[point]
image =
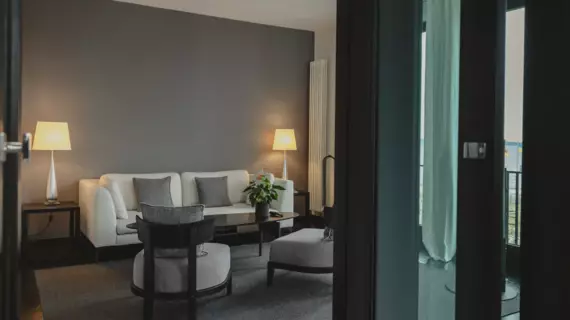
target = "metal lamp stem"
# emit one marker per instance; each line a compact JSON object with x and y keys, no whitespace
{"x":285,"y":164}
{"x":51,"y":188}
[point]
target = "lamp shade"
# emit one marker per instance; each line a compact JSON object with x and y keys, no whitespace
{"x":284,"y":140}
{"x":52,"y":136}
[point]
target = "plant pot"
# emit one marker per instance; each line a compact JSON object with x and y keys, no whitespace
{"x":262,"y":211}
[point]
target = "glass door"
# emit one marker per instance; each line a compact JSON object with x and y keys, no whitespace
{"x":439,"y":149}
{"x":385,"y":261}
{"x":514,"y":89}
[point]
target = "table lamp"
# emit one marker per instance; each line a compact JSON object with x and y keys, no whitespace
{"x":51,"y":136}
{"x":284,"y":141}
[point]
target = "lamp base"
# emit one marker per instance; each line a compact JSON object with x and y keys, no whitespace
{"x":51,"y":202}
{"x":51,"y":188}
{"x":284,"y":175}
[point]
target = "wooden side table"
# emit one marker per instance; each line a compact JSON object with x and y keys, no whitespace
{"x":40,"y":208}
{"x":307,"y":197}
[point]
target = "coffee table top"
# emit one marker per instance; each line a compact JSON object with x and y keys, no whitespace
{"x":240,"y":219}
{"x":246,"y":219}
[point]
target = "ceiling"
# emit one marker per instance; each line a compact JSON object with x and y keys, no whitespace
{"x":297,"y":14}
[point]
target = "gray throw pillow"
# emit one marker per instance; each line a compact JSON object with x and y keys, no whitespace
{"x":213,"y":192}
{"x":155,"y":192}
{"x":173,"y":216}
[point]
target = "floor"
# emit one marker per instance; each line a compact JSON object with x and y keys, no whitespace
{"x":436,"y":303}
{"x":102,"y":291}
{"x":105,"y":286}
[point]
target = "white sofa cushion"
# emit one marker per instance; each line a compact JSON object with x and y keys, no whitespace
{"x":127,"y":188}
{"x":113,"y":188}
{"x":234,"y":209}
{"x":122,"y":224}
{"x":237,"y":181}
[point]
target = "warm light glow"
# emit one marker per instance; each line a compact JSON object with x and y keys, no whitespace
{"x":284,"y":140}
{"x":52,"y":136}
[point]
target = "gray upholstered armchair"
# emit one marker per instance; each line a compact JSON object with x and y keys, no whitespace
{"x":171,"y":268}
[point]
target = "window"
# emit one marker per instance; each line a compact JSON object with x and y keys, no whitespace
{"x":514,"y":88}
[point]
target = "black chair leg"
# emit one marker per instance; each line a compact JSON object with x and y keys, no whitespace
{"x":192,"y":308}
{"x":229,"y":287}
{"x":270,"y":274}
{"x":148,"y":308}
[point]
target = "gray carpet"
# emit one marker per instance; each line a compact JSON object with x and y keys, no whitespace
{"x":102,"y":292}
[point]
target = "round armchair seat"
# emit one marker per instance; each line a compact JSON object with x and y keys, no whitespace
{"x":171,"y":273}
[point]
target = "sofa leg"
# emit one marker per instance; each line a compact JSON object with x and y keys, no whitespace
{"x":270,"y":274}
{"x":148,"y":308}
{"x":229,"y":287}
{"x":192,"y":308}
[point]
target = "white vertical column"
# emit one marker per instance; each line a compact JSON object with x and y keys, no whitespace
{"x":318,"y":105}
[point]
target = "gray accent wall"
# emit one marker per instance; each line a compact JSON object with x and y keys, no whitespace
{"x":153,"y":90}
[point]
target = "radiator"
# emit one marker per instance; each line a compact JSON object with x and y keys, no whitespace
{"x":318,"y":105}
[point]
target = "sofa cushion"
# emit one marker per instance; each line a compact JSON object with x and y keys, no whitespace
{"x":118,"y":202}
{"x":233,"y":209}
{"x":154,"y":192}
{"x":237,"y":181}
{"x":127,"y":188}
{"x":213,"y":192}
{"x":122,"y":223}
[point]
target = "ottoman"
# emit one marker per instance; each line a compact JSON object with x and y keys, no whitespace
{"x":302,"y":251}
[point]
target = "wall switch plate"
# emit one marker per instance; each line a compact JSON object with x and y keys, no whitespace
{"x":474,"y":150}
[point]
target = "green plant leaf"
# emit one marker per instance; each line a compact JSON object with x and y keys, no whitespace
{"x":262,"y":191}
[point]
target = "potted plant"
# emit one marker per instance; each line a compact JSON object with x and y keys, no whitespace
{"x":261,"y":193}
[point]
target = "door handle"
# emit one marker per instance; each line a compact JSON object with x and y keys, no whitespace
{"x":14,"y":147}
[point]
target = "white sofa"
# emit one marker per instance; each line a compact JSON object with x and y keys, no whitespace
{"x":99,"y":221}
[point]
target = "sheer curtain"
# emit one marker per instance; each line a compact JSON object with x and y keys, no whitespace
{"x":439,"y":221}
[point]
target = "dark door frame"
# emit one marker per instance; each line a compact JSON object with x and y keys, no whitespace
{"x":377,"y":143}
{"x":480,"y":182}
{"x":11,"y":99}
{"x":545,"y":279}
{"x":378,"y":43}
{"x":515,"y":4}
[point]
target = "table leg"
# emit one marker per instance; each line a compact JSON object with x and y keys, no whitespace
{"x":77,"y":223}
{"x":260,"y":240}
{"x":72,"y":223}
{"x":24,"y":235}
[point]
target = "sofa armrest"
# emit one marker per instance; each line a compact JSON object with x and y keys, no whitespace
{"x":98,"y":218}
{"x":285,"y":202}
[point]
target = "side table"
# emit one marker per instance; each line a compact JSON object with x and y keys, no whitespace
{"x":40,"y":208}
{"x":309,"y":219}
{"x":307,"y":198}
